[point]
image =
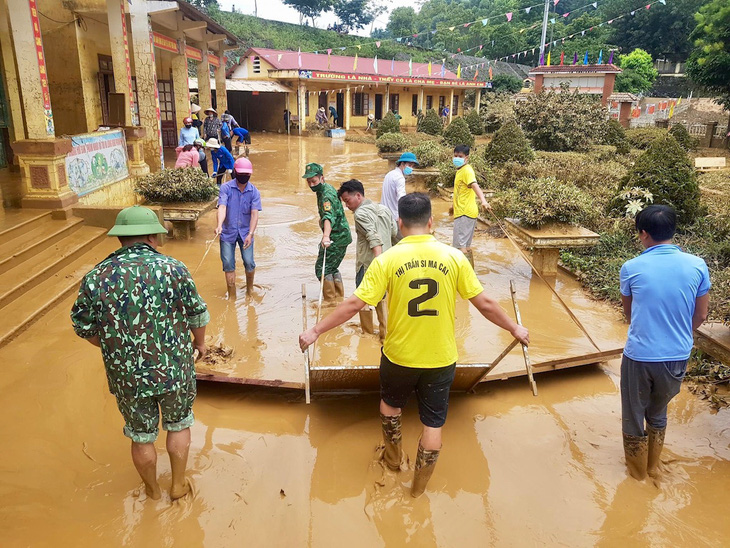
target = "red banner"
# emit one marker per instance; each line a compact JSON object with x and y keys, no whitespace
{"x":164,"y":42}
{"x":45,"y":91}
{"x":193,"y":53}
{"x":214,"y":60}
{"x":316,"y":75}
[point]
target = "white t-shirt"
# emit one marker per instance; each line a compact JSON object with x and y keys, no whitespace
{"x":394,"y":188}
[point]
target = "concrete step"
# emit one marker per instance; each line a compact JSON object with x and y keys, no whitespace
{"x":47,"y":261}
{"x":37,"y":238}
{"x":16,"y":222}
{"x":19,"y":314}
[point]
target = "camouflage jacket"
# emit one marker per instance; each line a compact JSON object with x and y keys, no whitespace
{"x":330,"y":209}
{"x":142,"y":305}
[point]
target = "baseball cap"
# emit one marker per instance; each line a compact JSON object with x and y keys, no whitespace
{"x":312,"y":170}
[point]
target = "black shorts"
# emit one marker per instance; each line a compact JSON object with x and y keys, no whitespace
{"x":431,"y":386}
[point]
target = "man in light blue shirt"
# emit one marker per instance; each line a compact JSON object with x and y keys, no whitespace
{"x":664,"y":293}
{"x":188,"y":133}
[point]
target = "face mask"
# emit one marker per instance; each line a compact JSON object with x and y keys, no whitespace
{"x":315,"y":188}
{"x":243,"y":178}
{"x":408,"y":170}
{"x":188,"y":126}
{"x":458,"y":162}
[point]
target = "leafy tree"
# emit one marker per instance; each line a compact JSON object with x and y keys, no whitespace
{"x":431,"y":123}
{"x":402,"y":22}
{"x":638,"y":72}
{"x":509,"y":144}
{"x":309,"y":8}
{"x":457,"y":133}
{"x":682,"y":136}
{"x":709,"y":63}
{"x":476,"y":124}
{"x":354,"y":14}
{"x":389,"y":124}
{"x":507,"y":83}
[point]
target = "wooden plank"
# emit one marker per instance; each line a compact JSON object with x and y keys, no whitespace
{"x":561,"y":363}
{"x":710,"y":163}
{"x":267,"y":383}
{"x":714,"y":339}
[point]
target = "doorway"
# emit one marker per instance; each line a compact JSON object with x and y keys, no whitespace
{"x":340,"y":108}
{"x":106,"y":86}
{"x":167,"y":113}
{"x":323,"y":100}
{"x":378,"y":106}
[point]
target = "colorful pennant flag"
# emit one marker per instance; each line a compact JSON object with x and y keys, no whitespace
{"x":375,"y":64}
{"x":410,"y":67}
{"x":392,"y":65}
{"x":509,"y":16}
{"x":476,"y":74}
{"x":354,"y":65}
{"x":429,"y":68}
{"x":600,"y":58}
{"x":595,"y":5}
{"x":552,"y":20}
{"x":377,"y":43}
{"x":585,"y":59}
{"x":278,"y":57}
{"x":299,"y":55}
{"x":562,"y":56}
{"x":484,"y":22}
{"x":542,"y":59}
{"x":555,"y":2}
{"x":566,"y":14}
{"x":490,"y":73}
{"x":548,"y":60}
{"x":610,"y":58}
{"x":443,"y":68}
{"x":458,"y":71}
{"x":527,"y":10}
{"x":575,"y":58}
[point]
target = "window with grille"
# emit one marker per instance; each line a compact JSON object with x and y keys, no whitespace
{"x":414,"y":104}
{"x":360,"y":104}
{"x":442,"y":102}
{"x":256,"y":62}
{"x":429,"y":102}
{"x":394,"y":100}
{"x":455,"y":106}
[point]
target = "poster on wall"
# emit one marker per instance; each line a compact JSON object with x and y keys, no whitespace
{"x":96,"y":160}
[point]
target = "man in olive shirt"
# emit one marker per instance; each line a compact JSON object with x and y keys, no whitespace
{"x":421,"y":277}
{"x":376,"y":231}
{"x":139,"y":306}
{"x":335,"y":232}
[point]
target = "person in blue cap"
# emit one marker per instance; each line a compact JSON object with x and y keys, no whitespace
{"x":394,"y":184}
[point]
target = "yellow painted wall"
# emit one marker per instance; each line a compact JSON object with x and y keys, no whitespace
{"x":93,"y":40}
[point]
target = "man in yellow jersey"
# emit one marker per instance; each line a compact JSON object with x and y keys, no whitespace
{"x":466,"y":189}
{"x":421,"y":277}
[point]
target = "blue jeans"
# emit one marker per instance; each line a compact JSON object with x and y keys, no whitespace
{"x":228,"y":255}
{"x":646,"y":390}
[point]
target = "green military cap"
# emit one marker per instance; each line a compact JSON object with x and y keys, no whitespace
{"x":136,"y":221}
{"x":312,"y":170}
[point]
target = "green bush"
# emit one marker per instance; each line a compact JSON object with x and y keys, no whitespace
{"x":391,"y":142}
{"x":355,"y":138}
{"x":509,"y":144}
{"x":430,"y":153}
{"x":537,"y":202}
{"x":506,"y":83}
{"x":666,"y":171}
{"x":447,"y":172}
{"x":685,"y":140}
{"x":562,"y":121}
{"x":497,"y":111}
{"x":176,"y":185}
{"x":614,"y":133}
{"x":642,"y":137}
{"x":431,"y":123}
{"x":389,"y":124}
{"x":457,"y":133}
{"x":419,"y":137}
{"x":474,"y":120}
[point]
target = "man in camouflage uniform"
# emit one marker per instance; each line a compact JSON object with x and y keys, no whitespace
{"x":139,"y":306}
{"x":335,"y":232}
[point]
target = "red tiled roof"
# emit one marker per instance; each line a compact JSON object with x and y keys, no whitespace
{"x":576,"y":69}
{"x":365,"y":65}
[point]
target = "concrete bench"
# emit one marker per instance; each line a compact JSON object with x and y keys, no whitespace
{"x":184,"y":216}
{"x":708,"y":164}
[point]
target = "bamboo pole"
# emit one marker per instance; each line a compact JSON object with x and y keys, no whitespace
{"x":528,"y":366}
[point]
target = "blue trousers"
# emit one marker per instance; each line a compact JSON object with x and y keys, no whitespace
{"x":228,"y":255}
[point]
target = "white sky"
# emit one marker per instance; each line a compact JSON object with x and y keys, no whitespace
{"x":278,"y":11}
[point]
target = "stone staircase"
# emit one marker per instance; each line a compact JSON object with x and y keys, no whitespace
{"x":42,"y":260}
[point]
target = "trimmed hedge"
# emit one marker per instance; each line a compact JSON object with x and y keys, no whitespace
{"x":457,"y":133}
{"x":509,"y":144}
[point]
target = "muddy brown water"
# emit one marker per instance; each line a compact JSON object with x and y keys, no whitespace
{"x":267,"y":470}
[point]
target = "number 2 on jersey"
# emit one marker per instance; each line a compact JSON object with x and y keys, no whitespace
{"x":414,"y":305}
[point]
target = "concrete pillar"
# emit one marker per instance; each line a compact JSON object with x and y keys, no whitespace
{"x":451,"y":105}
{"x":180,"y":86}
{"x":348,"y":108}
{"x":145,"y":71}
{"x":32,"y":74}
{"x":478,"y":100}
{"x":221,"y":95}
{"x":386,"y":106}
{"x":204,"y":98}
{"x":119,"y":40}
{"x":420,"y":99}
{"x":709,"y":134}
{"x":16,"y":129}
{"x":301,"y":109}
{"x":135,"y":151}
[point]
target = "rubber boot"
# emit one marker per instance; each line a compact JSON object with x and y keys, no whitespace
{"x":656,"y":444}
{"x":329,"y":288}
{"x":470,"y":257}
{"x":425,"y":463}
{"x":382,"y":313}
{"x":339,"y":286}
{"x":393,"y":453}
{"x":231,"y":285}
{"x":636,"y":450}
{"x":366,"y":320}
{"x":249,"y":282}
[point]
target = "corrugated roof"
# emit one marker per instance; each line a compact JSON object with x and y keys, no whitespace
{"x":576,"y":69}
{"x":289,"y":60}
{"x":263,"y":86}
{"x":623,"y":97}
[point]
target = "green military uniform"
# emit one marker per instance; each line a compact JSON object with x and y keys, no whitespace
{"x":142,"y":304}
{"x":330,"y":209}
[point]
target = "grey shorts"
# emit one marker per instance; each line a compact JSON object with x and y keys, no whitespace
{"x":464,"y":231}
{"x":646,"y":390}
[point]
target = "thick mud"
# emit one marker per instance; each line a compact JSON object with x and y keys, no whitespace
{"x":268,"y":470}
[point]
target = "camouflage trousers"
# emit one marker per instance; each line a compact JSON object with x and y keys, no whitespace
{"x":142,"y":415}
{"x":335,"y":254}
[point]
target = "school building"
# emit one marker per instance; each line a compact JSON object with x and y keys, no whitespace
{"x":92,"y":89}
{"x":353,"y":87}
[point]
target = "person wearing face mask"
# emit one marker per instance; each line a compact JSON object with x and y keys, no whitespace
{"x":239,"y":203}
{"x":188,"y":133}
{"x":394,"y":184}
{"x":211,"y":125}
{"x":466,"y":190}
{"x":335,"y":232}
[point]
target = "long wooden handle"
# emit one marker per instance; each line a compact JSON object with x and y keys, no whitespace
{"x":321,"y":293}
{"x":494,"y":364}
{"x":307,"y":395}
{"x":525,"y":354}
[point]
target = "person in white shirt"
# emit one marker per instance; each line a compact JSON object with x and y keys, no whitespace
{"x":394,"y":184}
